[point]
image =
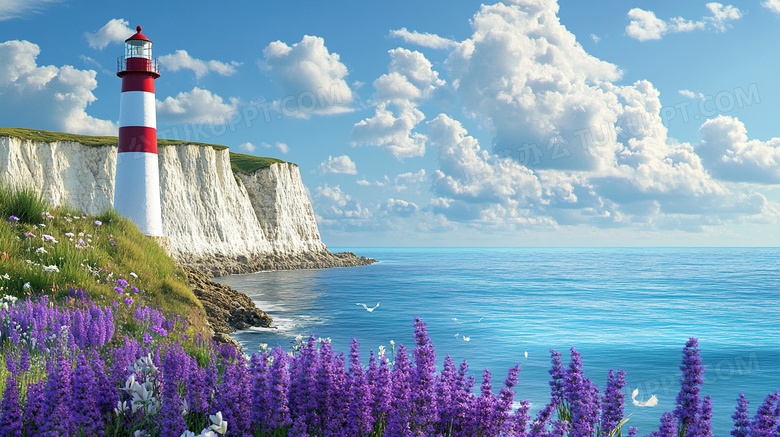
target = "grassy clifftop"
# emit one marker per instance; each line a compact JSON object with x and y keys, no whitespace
{"x":50,"y":251}
{"x":238,"y":161}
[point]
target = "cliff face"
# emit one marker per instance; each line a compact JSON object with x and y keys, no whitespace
{"x":283,"y":210}
{"x":205,"y":212}
{"x":64,"y":172}
{"x":264,"y":221}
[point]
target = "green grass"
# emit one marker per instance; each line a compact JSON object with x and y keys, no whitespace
{"x":80,"y":253}
{"x":22,"y":202}
{"x":45,"y":136}
{"x":250,"y":164}
{"x":239,"y":161}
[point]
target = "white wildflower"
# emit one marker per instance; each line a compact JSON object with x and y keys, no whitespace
{"x":219,"y":425}
{"x":51,"y":269}
{"x":41,"y":250}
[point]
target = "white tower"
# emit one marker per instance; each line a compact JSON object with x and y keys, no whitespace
{"x":137,"y":189}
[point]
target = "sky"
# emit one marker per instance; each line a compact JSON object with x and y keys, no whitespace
{"x":441,"y":123}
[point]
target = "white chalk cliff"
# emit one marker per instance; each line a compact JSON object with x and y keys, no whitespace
{"x":207,"y":212}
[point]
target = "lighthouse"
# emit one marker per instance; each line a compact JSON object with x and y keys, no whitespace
{"x":137,"y":188}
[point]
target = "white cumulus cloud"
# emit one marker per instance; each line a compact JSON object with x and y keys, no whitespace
{"x":645,"y":26}
{"x":772,"y":5}
{"x":311,"y":78}
{"x":181,"y":60}
{"x":409,"y":81}
{"x":569,"y":145}
{"x":392,"y":133}
{"x":400,"y":207}
{"x":728,"y":153}
{"x":197,"y":105}
{"x":247,"y":147}
{"x":46,"y":97}
{"x":429,"y":40}
{"x":114,"y":32}
{"x":338,"y":165}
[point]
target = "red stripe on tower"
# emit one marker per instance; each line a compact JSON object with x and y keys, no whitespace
{"x":137,"y":188}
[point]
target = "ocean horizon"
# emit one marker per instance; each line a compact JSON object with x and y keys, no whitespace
{"x":622,"y":308}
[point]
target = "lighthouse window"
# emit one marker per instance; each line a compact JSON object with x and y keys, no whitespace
{"x":138,"y":49}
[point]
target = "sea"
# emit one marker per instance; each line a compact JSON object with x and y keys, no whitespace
{"x":631,"y":309}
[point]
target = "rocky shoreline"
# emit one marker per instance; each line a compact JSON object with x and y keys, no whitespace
{"x":228,"y":310}
{"x":226,"y":265}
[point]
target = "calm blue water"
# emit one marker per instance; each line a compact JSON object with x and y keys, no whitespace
{"x":622,"y":308}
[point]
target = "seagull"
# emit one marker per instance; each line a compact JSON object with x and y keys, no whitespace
{"x":526,"y":354}
{"x":455,"y":319}
{"x":466,"y":338}
{"x":653,"y":401}
{"x":480,"y":319}
{"x":456,"y":334}
{"x":370,"y":310}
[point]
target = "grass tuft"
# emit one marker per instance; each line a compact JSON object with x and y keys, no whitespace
{"x":22,"y":202}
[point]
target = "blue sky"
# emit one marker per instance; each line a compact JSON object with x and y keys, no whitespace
{"x":528,"y":123}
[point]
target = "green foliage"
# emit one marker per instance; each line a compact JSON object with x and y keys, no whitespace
{"x":249,"y":163}
{"x":59,"y":249}
{"x":23,"y":202}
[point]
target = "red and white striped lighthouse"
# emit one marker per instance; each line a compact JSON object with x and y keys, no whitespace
{"x":137,"y":189}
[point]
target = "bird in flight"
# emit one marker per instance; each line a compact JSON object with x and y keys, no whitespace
{"x":466,"y":338}
{"x":526,"y":354}
{"x":653,"y":401}
{"x":370,"y":310}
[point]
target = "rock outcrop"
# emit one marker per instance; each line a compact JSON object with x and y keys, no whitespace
{"x":227,"y":310}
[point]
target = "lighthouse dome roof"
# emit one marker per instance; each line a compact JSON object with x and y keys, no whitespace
{"x":138,"y":35}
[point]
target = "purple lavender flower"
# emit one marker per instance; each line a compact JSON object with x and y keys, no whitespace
{"x":24,"y":360}
{"x":303,"y":378}
{"x":13,"y":218}
{"x":119,"y":290}
{"x":170,"y":409}
{"x":34,"y":409}
{"x":423,"y":408}
{"x":484,"y":407}
{"x":128,"y":301}
{"x":690,"y":385}
{"x":10,"y":411}
{"x":632,"y":430}
{"x":701,"y":427}
{"x":106,"y":394}
{"x":398,"y":424}
{"x":359,"y":419}
{"x":231,"y":398}
{"x":58,"y":399}
{"x":668,"y":427}
{"x":259,"y":371}
{"x":503,"y":407}
{"x":196,"y":389}
{"x":122,"y":283}
{"x":539,"y":425}
{"x":741,"y":418}
{"x":278,"y":385}
{"x":444,"y":394}
{"x":557,"y":373}
{"x":85,"y":412}
{"x":381,"y":383}
{"x":612,"y":402}
{"x":765,"y":422}
{"x":516,"y":424}
{"x":582,"y":397}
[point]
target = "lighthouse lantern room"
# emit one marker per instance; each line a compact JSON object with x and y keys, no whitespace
{"x":137,"y":188}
